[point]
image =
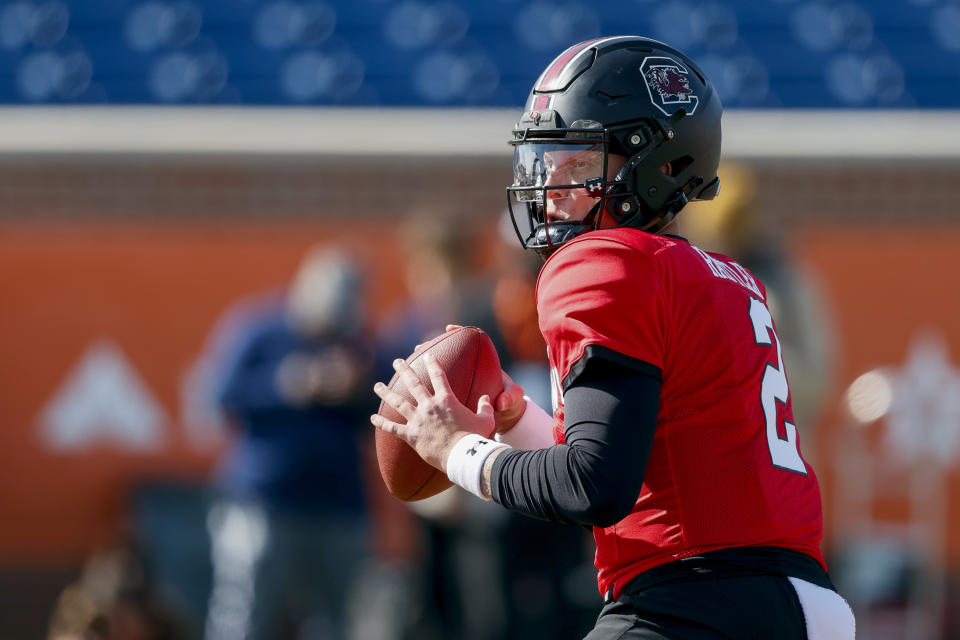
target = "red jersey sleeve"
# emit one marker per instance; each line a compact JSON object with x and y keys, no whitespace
{"x":590,"y":294}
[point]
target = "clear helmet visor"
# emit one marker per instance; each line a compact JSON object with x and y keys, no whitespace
{"x":557,"y":171}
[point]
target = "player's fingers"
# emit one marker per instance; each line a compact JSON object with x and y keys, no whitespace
{"x":441,"y":387}
{"x":486,"y":413}
{"x":388,"y":426}
{"x":403,"y":406}
{"x":485,"y":407}
{"x":510,"y":399}
{"x":414,"y":385}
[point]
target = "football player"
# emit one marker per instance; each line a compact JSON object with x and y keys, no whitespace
{"x":672,"y":433}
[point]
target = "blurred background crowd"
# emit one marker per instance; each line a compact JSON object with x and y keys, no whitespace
{"x":221,"y":220}
{"x":774,"y":53}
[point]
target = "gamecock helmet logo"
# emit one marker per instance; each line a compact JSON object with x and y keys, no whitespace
{"x":668,"y":85}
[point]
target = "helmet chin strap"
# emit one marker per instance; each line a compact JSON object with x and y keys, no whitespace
{"x":548,"y":237}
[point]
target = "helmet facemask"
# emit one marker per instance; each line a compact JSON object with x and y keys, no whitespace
{"x":564,"y":180}
{"x":558,"y":179}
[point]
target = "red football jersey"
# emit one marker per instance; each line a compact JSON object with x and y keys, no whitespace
{"x":725,"y":469}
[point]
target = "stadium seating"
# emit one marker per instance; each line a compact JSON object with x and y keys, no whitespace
{"x":760,"y":54}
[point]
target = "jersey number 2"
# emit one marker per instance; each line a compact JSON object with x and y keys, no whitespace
{"x":784,"y":452}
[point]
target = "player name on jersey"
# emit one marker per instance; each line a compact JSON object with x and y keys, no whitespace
{"x":730,"y":271}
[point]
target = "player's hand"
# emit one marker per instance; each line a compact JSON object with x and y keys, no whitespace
{"x":435,"y":422}
{"x":509,"y":405}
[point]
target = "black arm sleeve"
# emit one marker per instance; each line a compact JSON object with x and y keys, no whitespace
{"x":610,"y":414}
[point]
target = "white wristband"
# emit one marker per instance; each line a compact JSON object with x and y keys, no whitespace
{"x":534,"y":430}
{"x":465,"y":462}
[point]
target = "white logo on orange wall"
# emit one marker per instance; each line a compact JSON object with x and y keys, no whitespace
{"x":919,"y":403}
{"x":103,"y":401}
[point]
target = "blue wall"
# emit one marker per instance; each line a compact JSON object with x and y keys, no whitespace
{"x":760,"y":53}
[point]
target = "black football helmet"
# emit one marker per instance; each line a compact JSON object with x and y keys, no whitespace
{"x":625,"y":127}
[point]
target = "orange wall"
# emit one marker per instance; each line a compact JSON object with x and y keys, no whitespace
{"x":887,"y":287}
{"x":156,"y":289}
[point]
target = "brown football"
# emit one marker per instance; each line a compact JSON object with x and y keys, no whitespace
{"x":470,"y":361}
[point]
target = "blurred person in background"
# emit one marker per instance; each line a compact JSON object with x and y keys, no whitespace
{"x":454,"y":578}
{"x":444,"y":284}
{"x":547,"y":569}
{"x":733,"y":225}
{"x":289,"y":527}
{"x":672,"y":434}
{"x":115,"y":598}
